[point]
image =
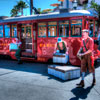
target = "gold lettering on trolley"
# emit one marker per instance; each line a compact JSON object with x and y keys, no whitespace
{"x":44,"y":45}
{"x":41,"y":45}
{"x":4,"y":44}
{"x":47,"y":45}
{"x":41,"y":59}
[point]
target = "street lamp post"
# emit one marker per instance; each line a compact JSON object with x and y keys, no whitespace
{"x":74,"y":4}
{"x":67,"y":5}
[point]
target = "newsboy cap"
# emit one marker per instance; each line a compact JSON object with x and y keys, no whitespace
{"x":85,"y":30}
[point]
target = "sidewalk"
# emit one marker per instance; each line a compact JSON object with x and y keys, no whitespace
{"x":30,"y":81}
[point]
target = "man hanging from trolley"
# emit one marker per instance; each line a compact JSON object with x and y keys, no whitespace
{"x":85,"y":53}
{"x":18,"y":43}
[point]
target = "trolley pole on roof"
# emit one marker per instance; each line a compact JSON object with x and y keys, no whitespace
{"x":31,"y":7}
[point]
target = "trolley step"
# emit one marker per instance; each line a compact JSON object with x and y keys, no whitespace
{"x":27,"y":59}
{"x":28,"y":55}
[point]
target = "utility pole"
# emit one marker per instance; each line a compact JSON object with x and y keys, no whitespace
{"x":67,"y":5}
{"x":31,"y":7}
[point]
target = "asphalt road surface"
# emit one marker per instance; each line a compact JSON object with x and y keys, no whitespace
{"x":30,"y":81}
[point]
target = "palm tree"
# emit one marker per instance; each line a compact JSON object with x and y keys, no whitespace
{"x":14,"y":11}
{"x":21,"y":5}
{"x":39,"y":11}
{"x":18,"y":8}
{"x":95,"y":6}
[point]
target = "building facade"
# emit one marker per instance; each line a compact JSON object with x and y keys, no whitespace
{"x":69,"y":4}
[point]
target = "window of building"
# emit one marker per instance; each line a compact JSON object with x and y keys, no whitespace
{"x":14,"y":30}
{"x":91,"y":24}
{"x":76,"y":27}
{"x":7,"y":30}
{"x":1,"y":31}
{"x":63,"y":28}
{"x":52,"y":29}
{"x":42,"y":29}
{"x":81,"y":2}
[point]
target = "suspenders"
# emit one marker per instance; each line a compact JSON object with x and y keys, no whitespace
{"x":85,"y":44}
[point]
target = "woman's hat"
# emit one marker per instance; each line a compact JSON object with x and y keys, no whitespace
{"x":59,"y":39}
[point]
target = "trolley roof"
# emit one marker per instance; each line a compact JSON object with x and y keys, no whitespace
{"x":50,"y":16}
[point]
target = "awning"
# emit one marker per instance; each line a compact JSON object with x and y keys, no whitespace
{"x":55,"y":4}
{"x":61,"y":0}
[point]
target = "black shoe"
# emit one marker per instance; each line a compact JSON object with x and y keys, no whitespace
{"x":94,"y":82}
{"x":20,"y":62}
{"x":81,"y":84}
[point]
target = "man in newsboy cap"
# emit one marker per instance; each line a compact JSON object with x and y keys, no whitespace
{"x":86,"y":54}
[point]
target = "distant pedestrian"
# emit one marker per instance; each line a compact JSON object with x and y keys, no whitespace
{"x":86,"y":55}
{"x":98,"y":37}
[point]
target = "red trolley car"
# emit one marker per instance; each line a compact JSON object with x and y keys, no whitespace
{"x":39,"y":33}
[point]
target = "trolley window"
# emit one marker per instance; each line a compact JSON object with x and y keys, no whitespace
{"x":14,"y":30}
{"x":76,"y":28}
{"x":1,"y":31}
{"x":26,"y":30}
{"x":23,"y":31}
{"x":7,"y":30}
{"x":42,"y":29}
{"x":91,"y":24}
{"x":63,"y":28}
{"x":52,"y":29}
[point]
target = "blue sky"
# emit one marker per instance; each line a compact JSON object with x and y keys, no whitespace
{"x":7,"y":5}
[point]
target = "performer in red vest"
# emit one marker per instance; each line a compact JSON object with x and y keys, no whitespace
{"x":85,"y":53}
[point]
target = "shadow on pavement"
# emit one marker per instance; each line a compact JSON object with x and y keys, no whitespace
{"x":30,"y":67}
{"x":80,"y":93}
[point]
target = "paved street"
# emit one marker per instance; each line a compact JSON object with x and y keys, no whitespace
{"x":30,"y":81}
